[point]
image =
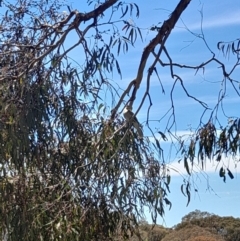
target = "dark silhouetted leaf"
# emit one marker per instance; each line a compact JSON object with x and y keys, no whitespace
{"x":118,"y":68}
{"x":168,"y":203}
{"x":219,"y":45}
{"x":158,"y":144}
{"x":221,"y":172}
{"x":137,"y":14}
{"x":186,"y":165}
{"x":167,"y":186}
{"x":163,"y":136}
{"x":224,"y":178}
{"x":124,"y":12}
{"x":188,"y":193}
{"x":230,"y":174}
{"x":182,"y":190}
{"x":168,"y":179}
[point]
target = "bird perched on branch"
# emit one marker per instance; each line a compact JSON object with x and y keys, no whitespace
{"x":130,"y":118}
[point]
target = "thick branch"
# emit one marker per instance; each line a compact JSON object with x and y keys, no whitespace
{"x":160,"y":38}
{"x":80,"y":17}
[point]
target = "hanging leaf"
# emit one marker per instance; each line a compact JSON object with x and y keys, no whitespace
{"x":186,"y":166}
{"x":168,"y":179}
{"x":140,"y":33}
{"x":224,"y":178}
{"x":137,"y":14}
{"x":167,"y":186}
{"x":124,"y":27}
{"x":219,"y":45}
{"x":219,"y":157}
{"x":100,"y":107}
{"x":130,"y":36}
{"x":182,"y":190}
{"x":221,"y":172}
{"x":230,"y":174}
{"x":124,"y":12}
{"x":118,"y":68}
{"x":158,"y":144}
{"x":119,"y":47}
{"x":188,"y":193}
{"x":131,"y":9}
{"x":233,"y":48}
{"x":168,"y":203}
{"x":163,"y":136}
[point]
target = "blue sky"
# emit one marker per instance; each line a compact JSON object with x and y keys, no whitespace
{"x":220,"y":22}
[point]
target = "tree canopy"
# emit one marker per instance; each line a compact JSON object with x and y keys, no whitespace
{"x":73,"y":167}
{"x":195,"y":226}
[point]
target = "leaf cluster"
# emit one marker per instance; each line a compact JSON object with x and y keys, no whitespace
{"x":68,"y":172}
{"x":211,"y":143}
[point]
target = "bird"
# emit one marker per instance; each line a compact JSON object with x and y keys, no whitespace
{"x":130,"y":118}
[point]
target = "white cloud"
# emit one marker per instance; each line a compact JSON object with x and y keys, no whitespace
{"x":210,"y":166}
{"x":215,"y":21}
{"x":177,"y":168}
{"x":224,"y":20}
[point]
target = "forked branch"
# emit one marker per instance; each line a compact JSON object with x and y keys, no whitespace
{"x":160,"y":39}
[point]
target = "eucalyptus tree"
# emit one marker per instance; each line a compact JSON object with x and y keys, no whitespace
{"x":72,"y":167}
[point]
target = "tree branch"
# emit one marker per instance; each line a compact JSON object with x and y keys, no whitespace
{"x":80,"y":17}
{"x":160,"y":38}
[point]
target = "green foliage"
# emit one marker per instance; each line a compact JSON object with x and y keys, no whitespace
{"x":195,"y":226}
{"x":210,"y":144}
{"x":197,"y":214}
{"x":232,"y":46}
{"x":68,"y":171}
{"x":72,"y":168}
{"x":225,"y":227}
